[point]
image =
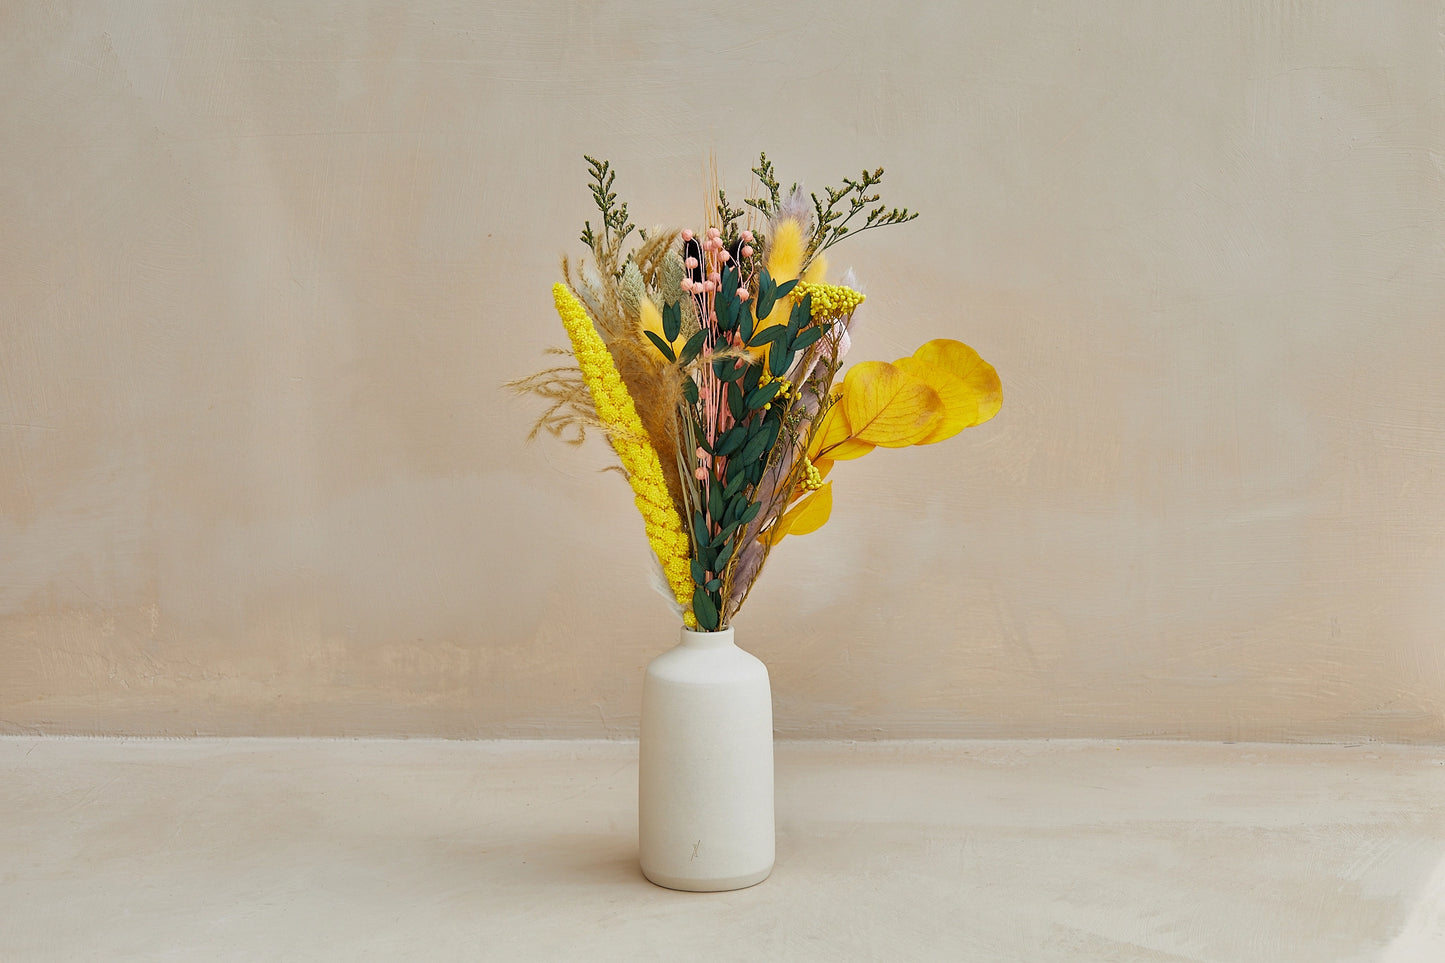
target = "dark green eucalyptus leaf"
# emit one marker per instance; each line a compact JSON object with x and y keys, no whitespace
{"x":727,"y":318}
{"x":750,"y":513}
{"x":713,"y":585}
{"x":704,"y":609}
{"x":773,"y":426}
{"x":767,"y":295}
{"x":733,"y":369}
{"x":786,"y":288}
{"x":736,"y":406}
{"x":735,"y":484}
{"x":755,"y":447}
{"x":729,"y":512}
{"x":662,"y":345}
{"x":768,"y":334}
{"x":689,"y":390}
{"x":765,"y":304}
{"x":806,"y":337}
{"x":734,"y":506}
{"x":764,"y":395}
{"x":672,"y":320}
{"x":745,"y":321}
{"x":699,"y":573}
{"x":802,"y":315}
{"x":779,"y":361}
{"x":725,"y":304}
{"x":714,"y":501}
{"x":754,"y":375}
{"x":731,"y":440}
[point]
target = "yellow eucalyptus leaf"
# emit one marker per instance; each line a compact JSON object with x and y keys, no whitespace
{"x":832,"y":430}
{"x":887,"y":406}
{"x":852,"y":448}
{"x":808,"y":515}
{"x":824,"y":465}
{"x":960,"y":401}
{"x":961,"y":361}
{"x":834,"y":439}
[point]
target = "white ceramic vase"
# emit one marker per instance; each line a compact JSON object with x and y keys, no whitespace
{"x":705,"y":786}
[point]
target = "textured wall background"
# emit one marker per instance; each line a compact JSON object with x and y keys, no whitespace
{"x":263,"y":267}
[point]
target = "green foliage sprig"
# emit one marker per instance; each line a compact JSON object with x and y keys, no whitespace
{"x":615,"y":226}
{"x":829,"y":229}
{"x":728,"y":218}
{"x":767,"y":206}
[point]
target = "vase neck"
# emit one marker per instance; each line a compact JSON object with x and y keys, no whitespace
{"x":707,"y":640}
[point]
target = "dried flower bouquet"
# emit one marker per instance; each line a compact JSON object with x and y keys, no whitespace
{"x":710,"y":360}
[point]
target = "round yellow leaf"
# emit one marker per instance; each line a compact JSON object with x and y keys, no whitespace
{"x":808,"y":515}
{"x":964,"y":363}
{"x":960,"y":401}
{"x":887,"y":406}
{"x":848,"y":449}
{"x":834,"y":439}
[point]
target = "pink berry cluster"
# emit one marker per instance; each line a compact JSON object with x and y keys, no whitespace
{"x":714,"y":255}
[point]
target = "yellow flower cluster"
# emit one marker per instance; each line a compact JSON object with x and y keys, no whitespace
{"x":783,"y":392}
{"x":829,"y":300}
{"x":812,"y":478}
{"x":639,"y":459}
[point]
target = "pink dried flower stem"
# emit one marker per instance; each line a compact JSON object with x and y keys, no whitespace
{"x":710,"y":262}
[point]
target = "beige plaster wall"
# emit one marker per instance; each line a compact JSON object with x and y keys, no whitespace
{"x":264,"y":265}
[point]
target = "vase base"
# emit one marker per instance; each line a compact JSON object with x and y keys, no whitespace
{"x":722,"y":885}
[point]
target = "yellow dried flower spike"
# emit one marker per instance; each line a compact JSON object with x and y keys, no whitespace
{"x":639,"y":459}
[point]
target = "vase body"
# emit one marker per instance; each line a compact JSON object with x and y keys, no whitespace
{"x":705,"y":778}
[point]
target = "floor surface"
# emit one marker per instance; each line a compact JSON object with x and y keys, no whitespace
{"x":514,"y":851}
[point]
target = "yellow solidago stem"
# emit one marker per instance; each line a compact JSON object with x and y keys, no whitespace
{"x":639,"y":459}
